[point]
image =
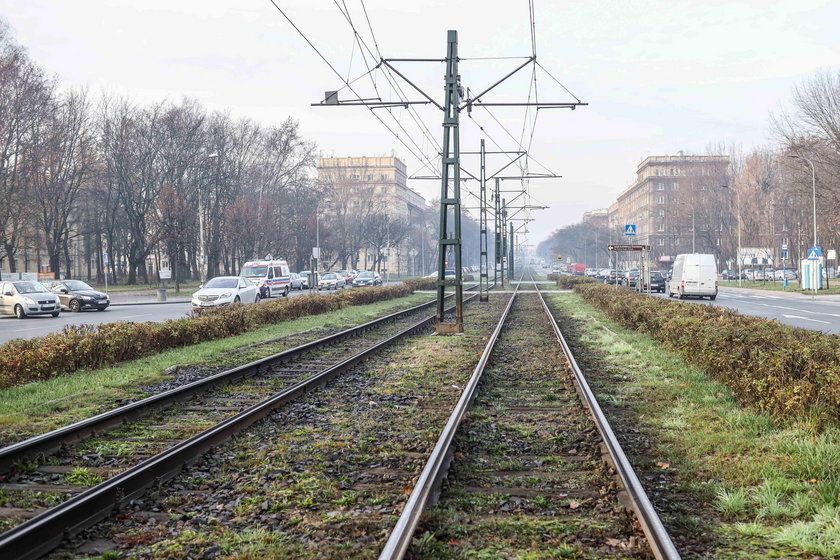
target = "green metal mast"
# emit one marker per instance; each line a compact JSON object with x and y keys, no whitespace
{"x":482,"y":263}
{"x":450,"y":200}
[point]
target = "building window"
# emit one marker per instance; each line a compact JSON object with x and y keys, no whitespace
{"x":673,"y":172}
{"x":382,"y":177}
{"x":660,"y":200}
{"x":674,"y":186}
{"x":660,"y":213}
{"x":370,"y":177}
{"x":660,"y":241}
{"x":660,"y":186}
{"x":660,"y":227}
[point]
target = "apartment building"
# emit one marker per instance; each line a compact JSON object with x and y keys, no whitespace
{"x":378,"y":182}
{"x":669,"y":203}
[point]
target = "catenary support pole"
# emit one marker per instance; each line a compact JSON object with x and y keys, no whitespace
{"x":450,"y":193}
{"x":482,"y":264}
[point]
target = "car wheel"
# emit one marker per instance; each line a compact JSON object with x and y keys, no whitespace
{"x":236,"y":299}
{"x":19,"y":312}
{"x":257,"y":298}
{"x":74,"y":305}
{"x":55,"y":313}
{"x":712,"y":298}
{"x":101,"y":308}
{"x":680,"y":294}
{"x":286,"y":291}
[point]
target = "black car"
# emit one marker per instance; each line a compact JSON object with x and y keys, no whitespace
{"x":732,"y":275}
{"x":657,"y":282}
{"x":367,"y":278}
{"x":75,"y":295}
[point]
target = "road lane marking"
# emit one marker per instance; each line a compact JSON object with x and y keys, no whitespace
{"x":805,"y":319}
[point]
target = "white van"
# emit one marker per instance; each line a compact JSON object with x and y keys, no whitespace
{"x":270,"y":275}
{"x":694,"y":274}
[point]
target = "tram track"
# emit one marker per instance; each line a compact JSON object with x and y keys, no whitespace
{"x":148,"y":441}
{"x":500,"y":482}
{"x":326,"y":475}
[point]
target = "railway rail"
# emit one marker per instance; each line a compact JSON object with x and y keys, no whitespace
{"x":243,"y":395}
{"x":371,"y":438}
{"x":427,"y":490}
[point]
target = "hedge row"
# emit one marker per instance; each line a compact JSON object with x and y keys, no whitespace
{"x":787,"y":371}
{"x":569,"y":282}
{"x":431,"y":283}
{"x":95,"y":346}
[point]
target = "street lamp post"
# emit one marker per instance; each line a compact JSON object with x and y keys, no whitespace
{"x":738,"y":258}
{"x":693,"y":233}
{"x":814,"y":189}
{"x":202,"y":241}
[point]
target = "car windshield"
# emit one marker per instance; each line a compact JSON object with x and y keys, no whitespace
{"x":29,"y":287}
{"x":222,"y":283}
{"x":254,"y":271}
{"x":655,"y":275}
{"x":329,"y":276}
{"x":363,"y":275}
{"x":76,"y":285}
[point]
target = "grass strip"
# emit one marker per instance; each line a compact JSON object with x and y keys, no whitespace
{"x":729,"y":481}
{"x":790,"y":372}
{"x":40,"y":406}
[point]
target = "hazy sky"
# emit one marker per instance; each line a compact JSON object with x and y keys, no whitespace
{"x":658,"y":76}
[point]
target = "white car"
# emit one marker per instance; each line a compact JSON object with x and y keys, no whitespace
{"x":330,"y":281}
{"x":224,"y":290}
{"x":23,"y":298}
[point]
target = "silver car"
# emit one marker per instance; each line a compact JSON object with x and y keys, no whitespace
{"x":224,"y":290}
{"x":23,"y":298}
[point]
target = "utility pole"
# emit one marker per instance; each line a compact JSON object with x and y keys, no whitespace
{"x":450,"y":173}
{"x":497,"y":254}
{"x":482,"y":262}
{"x":512,"y":248}
{"x":503,"y":236}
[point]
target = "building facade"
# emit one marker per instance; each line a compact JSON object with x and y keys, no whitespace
{"x":672,"y":204}
{"x":364,"y":185}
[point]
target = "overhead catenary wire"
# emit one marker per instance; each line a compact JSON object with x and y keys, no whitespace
{"x":427,"y":164}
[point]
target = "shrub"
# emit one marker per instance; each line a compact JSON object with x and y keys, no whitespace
{"x":95,"y":346}
{"x":787,"y":371}
{"x":569,"y":282}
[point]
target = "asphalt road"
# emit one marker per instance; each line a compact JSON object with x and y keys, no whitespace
{"x":789,"y":309}
{"x":12,"y":327}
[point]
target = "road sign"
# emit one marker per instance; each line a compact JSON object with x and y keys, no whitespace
{"x":628,"y":247}
{"x":832,"y":254}
{"x":165,"y":274}
{"x":630,"y":229}
{"x":105,"y":258}
{"x":568,"y":260}
{"x":814,"y":253}
{"x":559,"y":257}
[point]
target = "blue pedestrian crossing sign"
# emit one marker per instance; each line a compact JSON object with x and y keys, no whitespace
{"x":814,"y":253}
{"x":630,"y":229}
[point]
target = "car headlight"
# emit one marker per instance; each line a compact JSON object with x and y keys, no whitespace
{"x":29,"y":300}
{"x":225,"y":295}
{"x":87,"y":298}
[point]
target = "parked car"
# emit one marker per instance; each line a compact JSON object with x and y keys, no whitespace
{"x":23,"y":298}
{"x":348,"y":275}
{"x":330,"y":281}
{"x":631,"y":278}
{"x":367,"y":278}
{"x":732,"y":275}
{"x":308,"y":281}
{"x":224,"y":290}
{"x":657,"y":282}
{"x":76,"y":295}
{"x":296,"y":281}
{"x":782,"y":273}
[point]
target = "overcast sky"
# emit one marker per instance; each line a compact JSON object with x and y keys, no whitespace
{"x":658,"y":76}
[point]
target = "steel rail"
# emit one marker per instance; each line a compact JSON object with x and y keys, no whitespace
{"x":660,"y":542}
{"x":427,"y":488}
{"x":52,"y":441}
{"x":44,"y":532}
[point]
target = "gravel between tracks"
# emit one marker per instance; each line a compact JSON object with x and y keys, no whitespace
{"x":322,"y":478}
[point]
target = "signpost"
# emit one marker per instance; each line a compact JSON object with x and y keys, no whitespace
{"x":630,"y":229}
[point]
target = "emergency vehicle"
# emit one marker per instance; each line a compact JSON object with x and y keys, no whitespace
{"x":270,"y":275}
